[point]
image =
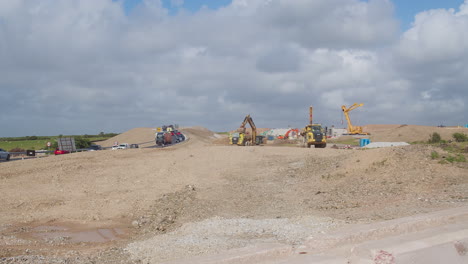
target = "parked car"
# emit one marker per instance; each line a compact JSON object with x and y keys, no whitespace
{"x":94,"y":147}
{"x":115,"y":147}
{"x":123,"y":146}
{"x":180,"y":136}
{"x":159,"y":138}
{"x":60,"y":152}
{"x":4,"y":154}
{"x":134,"y":146}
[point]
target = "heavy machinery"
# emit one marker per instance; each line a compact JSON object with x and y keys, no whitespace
{"x":294,"y":132}
{"x":314,"y":134}
{"x":241,"y":138}
{"x":352,"y":130}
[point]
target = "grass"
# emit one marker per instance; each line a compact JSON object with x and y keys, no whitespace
{"x":456,"y":152}
{"x":24,"y":144}
{"x":37,"y":144}
{"x":349,"y":141}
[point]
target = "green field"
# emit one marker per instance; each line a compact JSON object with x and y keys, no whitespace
{"x":41,"y":143}
{"x":24,"y":144}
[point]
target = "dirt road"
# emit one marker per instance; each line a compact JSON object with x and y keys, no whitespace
{"x":198,"y":198}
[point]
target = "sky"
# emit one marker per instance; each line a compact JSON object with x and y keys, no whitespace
{"x":85,"y":67}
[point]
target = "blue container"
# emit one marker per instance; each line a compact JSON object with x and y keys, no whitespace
{"x":363,"y":142}
{"x":270,"y":137}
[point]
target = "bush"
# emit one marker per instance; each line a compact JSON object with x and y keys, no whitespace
{"x":460,"y":137}
{"x":81,"y":142}
{"x":434,"y":155}
{"x":434,"y":138}
{"x":17,"y":150}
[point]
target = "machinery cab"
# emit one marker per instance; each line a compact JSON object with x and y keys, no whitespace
{"x":237,"y":138}
{"x":314,"y":134}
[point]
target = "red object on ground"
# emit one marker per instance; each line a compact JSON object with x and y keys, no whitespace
{"x":59,"y":152}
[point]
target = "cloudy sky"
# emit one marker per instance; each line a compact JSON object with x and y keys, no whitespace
{"x":86,"y":66}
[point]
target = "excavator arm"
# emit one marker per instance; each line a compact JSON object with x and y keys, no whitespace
{"x":248,"y":120}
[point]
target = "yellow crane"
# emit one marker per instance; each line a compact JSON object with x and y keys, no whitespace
{"x":353,"y":130}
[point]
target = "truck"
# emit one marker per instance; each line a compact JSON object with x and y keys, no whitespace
{"x":165,"y":138}
{"x":314,"y":134}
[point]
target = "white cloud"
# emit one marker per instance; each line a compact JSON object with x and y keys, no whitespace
{"x":66,"y":64}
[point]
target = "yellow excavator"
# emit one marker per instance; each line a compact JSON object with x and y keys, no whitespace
{"x":240,"y":137}
{"x":314,"y":134}
{"x":352,"y":130}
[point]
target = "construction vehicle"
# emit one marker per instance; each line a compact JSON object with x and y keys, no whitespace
{"x":294,"y":133}
{"x":314,"y":134}
{"x":241,"y":138}
{"x":352,"y":130}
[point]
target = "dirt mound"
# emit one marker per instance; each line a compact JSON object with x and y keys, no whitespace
{"x":200,"y":133}
{"x":409,"y":133}
{"x":143,"y":136}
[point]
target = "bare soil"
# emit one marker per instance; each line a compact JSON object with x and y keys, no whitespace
{"x":153,"y":205}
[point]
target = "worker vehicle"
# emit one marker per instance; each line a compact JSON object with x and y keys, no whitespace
{"x":4,"y":155}
{"x":159,"y":138}
{"x":236,"y":138}
{"x":94,"y":147}
{"x":123,"y":146}
{"x":314,"y":134}
{"x":241,"y":138}
{"x":179,"y":135}
{"x":291,"y":133}
{"x":169,"y":138}
{"x":61,"y":151}
{"x":352,"y":130}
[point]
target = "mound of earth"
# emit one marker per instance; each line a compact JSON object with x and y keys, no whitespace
{"x":409,"y":133}
{"x":143,"y":136}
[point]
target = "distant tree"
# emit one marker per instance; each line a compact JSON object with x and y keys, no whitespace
{"x":101,"y":134}
{"x":82,"y":142}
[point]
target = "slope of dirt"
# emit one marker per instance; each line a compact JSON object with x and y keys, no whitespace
{"x":143,"y":136}
{"x":149,"y":205}
{"x":409,"y":133}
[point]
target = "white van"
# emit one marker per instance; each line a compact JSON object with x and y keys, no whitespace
{"x":123,"y":146}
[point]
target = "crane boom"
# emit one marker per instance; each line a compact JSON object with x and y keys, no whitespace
{"x":352,"y":129}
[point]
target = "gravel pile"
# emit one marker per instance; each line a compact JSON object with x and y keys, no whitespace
{"x":214,"y":235}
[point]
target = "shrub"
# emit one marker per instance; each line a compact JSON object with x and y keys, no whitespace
{"x":460,"y":137}
{"x":434,"y":155}
{"x":82,"y":142}
{"x":434,"y":138}
{"x":17,"y":150}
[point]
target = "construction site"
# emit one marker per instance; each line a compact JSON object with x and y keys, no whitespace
{"x":357,"y":194}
